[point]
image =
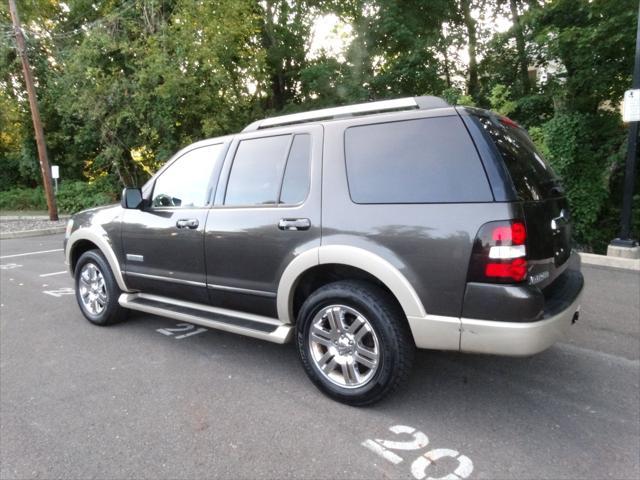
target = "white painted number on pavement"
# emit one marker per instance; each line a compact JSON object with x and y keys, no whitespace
{"x":59,"y":292}
{"x":9,"y":266}
{"x":185,"y":329}
{"x":383,"y":452}
{"x":420,"y":440}
{"x":420,"y":466}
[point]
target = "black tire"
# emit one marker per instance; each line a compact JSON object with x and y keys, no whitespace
{"x":395,"y":344}
{"x":109,"y":312}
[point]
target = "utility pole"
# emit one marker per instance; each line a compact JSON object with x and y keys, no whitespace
{"x":35,"y":113}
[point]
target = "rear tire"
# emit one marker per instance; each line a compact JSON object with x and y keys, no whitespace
{"x":97,"y":291}
{"x":353,"y":342}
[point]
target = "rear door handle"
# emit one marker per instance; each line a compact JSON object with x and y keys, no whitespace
{"x":187,"y":223}
{"x":562,"y":219}
{"x":294,"y":224}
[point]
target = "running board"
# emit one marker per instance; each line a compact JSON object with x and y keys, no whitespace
{"x":248,"y":324}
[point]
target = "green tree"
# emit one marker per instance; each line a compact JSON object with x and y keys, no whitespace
{"x":151,"y":77}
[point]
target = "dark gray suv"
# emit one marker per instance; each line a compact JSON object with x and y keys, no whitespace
{"x":361,"y":232}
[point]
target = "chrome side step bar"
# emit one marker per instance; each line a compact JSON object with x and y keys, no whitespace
{"x":248,"y":324}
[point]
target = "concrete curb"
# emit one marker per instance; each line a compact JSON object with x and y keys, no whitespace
{"x":614,"y":262}
{"x":32,"y":233}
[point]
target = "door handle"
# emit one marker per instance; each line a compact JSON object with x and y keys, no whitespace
{"x":562,"y":219}
{"x":187,"y":223}
{"x":294,"y":224}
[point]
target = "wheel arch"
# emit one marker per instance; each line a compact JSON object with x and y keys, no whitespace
{"x":84,"y":239}
{"x":76,"y":251}
{"x":365,"y":264}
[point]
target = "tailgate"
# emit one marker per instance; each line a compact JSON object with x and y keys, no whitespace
{"x":538,"y":188}
{"x":548,"y":239}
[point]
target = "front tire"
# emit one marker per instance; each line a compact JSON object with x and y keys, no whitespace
{"x":97,"y":291}
{"x":353,"y":342}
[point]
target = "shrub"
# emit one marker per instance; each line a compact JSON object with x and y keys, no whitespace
{"x":585,"y":149}
{"x":23,"y":199}
{"x":76,"y":196}
{"x":72,"y":197}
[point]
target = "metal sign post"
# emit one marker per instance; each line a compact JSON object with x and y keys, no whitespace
{"x":632,"y":101}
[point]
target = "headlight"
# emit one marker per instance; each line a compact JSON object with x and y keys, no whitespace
{"x":69,"y":228}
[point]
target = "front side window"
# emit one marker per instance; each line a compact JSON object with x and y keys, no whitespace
{"x":186,"y":183}
{"x":428,"y":160}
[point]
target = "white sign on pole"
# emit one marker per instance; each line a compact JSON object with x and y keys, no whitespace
{"x":55,"y":171}
{"x":631,"y":106}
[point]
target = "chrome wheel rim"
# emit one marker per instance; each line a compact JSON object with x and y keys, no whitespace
{"x":93,"y":289}
{"x":344,"y":347}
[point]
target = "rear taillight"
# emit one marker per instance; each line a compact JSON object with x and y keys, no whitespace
{"x":499,"y":253}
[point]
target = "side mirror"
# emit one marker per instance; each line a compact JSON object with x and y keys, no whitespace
{"x":131,"y":198}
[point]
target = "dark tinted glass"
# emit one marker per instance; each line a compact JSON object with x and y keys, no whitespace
{"x":257,"y":171}
{"x":414,"y":161}
{"x":295,"y":185}
{"x":187,"y":182}
{"x":532,"y":177}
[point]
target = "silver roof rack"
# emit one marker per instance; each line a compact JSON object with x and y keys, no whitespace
{"x":409,"y":103}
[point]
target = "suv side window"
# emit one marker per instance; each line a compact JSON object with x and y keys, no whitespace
{"x":187,"y":182}
{"x":428,"y":160}
{"x":257,"y":171}
{"x":269,"y":171}
{"x":297,"y":175}
{"x":532,"y":176}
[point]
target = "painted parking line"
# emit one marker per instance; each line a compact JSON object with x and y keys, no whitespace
{"x":181,"y":328}
{"x":9,"y":266}
{"x":52,"y":274}
{"x":31,"y":253}
{"x":59,"y":292}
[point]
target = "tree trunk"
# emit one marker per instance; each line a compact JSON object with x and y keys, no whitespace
{"x":523,"y":64}
{"x":276,"y":75}
{"x":444,"y":50}
{"x":447,"y":73}
{"x":473,"y":85}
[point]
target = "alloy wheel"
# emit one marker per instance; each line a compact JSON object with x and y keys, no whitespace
{"x":344,"y":346}
{"x":93,"y":289}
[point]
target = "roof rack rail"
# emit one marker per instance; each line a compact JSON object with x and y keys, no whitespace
{"x":408,"y":103}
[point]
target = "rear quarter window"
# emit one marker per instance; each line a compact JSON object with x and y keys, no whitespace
{"x":532,"y":177}
{"x":430,"y":160}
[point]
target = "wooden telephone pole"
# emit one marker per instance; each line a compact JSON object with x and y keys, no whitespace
{"x":45,"y":169}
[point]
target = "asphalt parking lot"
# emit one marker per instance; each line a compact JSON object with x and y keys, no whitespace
{"x":152,"y":399}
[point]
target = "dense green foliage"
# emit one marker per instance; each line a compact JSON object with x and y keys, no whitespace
{"x":72,"y":197}
{"x":123,"y":84}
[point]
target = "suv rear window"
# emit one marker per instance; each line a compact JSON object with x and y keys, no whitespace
{"x":533,"y":178}
{"x":428,"y":160}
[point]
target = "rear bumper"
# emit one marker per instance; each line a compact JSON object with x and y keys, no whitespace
{"x":528,"y":338}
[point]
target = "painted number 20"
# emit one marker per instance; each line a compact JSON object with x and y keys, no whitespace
{"x":420,"y":465}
